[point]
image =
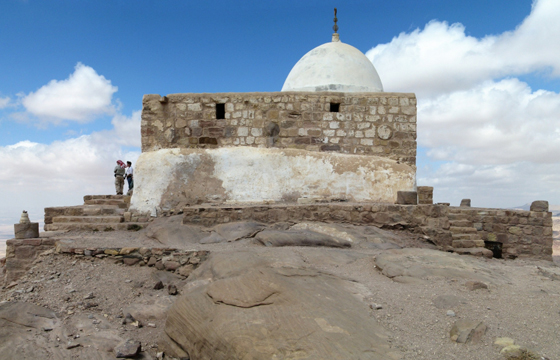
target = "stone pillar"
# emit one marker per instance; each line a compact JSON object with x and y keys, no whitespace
{"x":466,"y":203}
{"x":26,"y":229}
{"x":540,"y":206}
{"x":425,"y":195}
{"x":407,"y":198}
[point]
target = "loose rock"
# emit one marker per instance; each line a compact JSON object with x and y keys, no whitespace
{"x":128,"y":348}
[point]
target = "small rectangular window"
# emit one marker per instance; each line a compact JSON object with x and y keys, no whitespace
{"x":220,"y":111}
{"x":335,"y":107}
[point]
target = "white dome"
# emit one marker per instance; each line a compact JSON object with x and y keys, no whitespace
{"x":334,"y":66}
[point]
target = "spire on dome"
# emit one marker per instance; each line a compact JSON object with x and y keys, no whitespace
{"x":335,"y":36}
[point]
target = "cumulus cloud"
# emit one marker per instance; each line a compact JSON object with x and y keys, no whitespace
{"x":81,"y":97}
{"x":493,"y":123}
{"x":35,"y":175}
{"x":442,"y":58}
{"x":493,"y":185}
{"x":496,"y":137}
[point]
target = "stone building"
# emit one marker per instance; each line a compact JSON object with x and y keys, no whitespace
{"x":331,"y":134}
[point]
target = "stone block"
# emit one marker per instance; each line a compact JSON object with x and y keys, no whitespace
{"x":407,"y":198}
{"x":425,"y":195}
{"x":540,"y":206}
{"x":466,"y":203}
{"x":26,"y":231}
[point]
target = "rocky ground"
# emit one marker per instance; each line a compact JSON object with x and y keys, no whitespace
{"x":403,"y":297}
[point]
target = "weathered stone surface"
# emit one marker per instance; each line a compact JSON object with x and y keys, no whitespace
{"x":466,"y":203}
{"x":26,"y":230}
{"x":407,"y":198}
{"x":539,"y":205}
{"x":171,"y":232}
{"x":257,"y":122}
{"x":475,"y":285}
{"x":421,"y":263}
{"x":220,"y":314}
{"x":299,"y":238}
{"x":130,"y":261}
{"x":425,"y":195}
{"x":15,"y":319}
{"x":128,"y":348}
{"x":464,"y":331}
{"x":483,"y":252}
{"x":171,"y":265}
{"x":238,"y":230}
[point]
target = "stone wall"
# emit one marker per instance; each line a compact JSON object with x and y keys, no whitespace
{"x":522,"y":233}
{"x":430,"y":220}
{"x":20,"y":255}
{"x":381,"y":124}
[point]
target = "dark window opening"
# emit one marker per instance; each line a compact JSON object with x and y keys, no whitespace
{"x":496,"y":248}
{"x":220,"y":111}
{"x":335,"y":107}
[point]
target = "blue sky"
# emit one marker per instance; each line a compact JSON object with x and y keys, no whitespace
{"x":487,"y":86}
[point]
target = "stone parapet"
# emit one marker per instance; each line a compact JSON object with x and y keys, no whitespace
{"x":430,"y":220}
{"x":20,"y":254}
{"x":381,"y":124}
{"x":525,"y":234}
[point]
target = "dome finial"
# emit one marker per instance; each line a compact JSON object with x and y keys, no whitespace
{"x":335,"y":36}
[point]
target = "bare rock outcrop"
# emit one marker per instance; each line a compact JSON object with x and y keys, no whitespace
{"x":241,"y":305}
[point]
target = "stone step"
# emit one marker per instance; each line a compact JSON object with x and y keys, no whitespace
{"x":88,"y":219}
{"x":465,"y":237}
{"x":118,"y":202}
{"x":92,"y":226}
{"x":84,"y":210}
{"x":462,"y":230}
{"x":106,"y":197}
{"x":478,"y":251}
{"x":460,"y":223}
{"x":467,"y":243}
{"x":457,"y":216}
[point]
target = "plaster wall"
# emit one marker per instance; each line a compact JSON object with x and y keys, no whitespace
{"x":174,"y":178}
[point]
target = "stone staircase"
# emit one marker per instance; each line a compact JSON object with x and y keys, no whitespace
{"x":99,"y":213}
{"x":465,"y":237}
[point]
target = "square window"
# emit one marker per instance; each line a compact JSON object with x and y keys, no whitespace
{"x":335,"y":107}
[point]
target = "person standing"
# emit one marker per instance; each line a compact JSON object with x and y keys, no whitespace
{"x":129,"y":175}
{"x":119,"y":177}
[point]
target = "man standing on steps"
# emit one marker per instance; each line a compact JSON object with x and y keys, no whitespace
{"x":129,"y":175}
{"x":119,"y":177}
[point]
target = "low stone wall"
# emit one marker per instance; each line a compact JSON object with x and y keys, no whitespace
{"x":430,"y":220}
{"x":179,"y":261}
{"x":382,"y":124}
{"x":20,"y":255}
{"x":525,"y":234}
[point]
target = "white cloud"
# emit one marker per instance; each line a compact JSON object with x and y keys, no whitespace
{"x":494,"y":185}
{"x":442,"y":58}
{"x":81,"y":97}
{"x":497,"y":137}
{"x":493,"y":123}
{"x":34,"y":175}
{"x":4,"y":102}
